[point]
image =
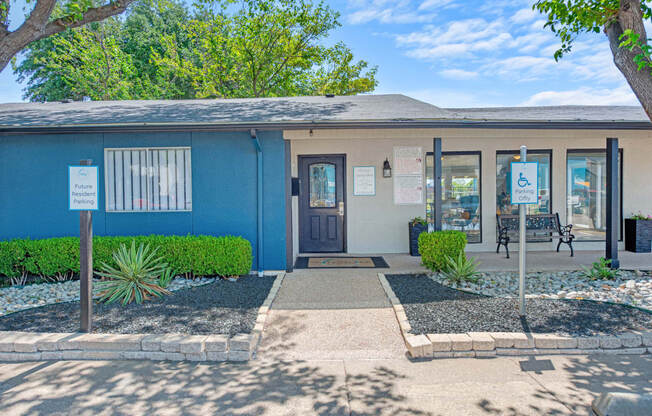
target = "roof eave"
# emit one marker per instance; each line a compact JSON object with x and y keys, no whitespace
{"x":325,"y":124}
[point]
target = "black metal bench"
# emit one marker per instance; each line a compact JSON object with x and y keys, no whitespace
{"x":539,"y":228}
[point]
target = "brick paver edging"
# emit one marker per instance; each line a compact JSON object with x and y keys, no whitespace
{"x":489,"y":344}
{"x":35,"y":346}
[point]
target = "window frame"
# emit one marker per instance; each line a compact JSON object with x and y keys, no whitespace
{"x":146,"y":149}
{"x":529,"y":152}
{"x":310,"y":207}
{"x":621,"y":220}
{"x":462,"y":153}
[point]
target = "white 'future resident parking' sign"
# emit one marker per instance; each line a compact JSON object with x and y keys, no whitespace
{"x":83,"y":188}
{"x":525,"y":183}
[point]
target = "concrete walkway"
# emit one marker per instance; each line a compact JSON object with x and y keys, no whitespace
{"x":537,"y":261}
{"x":498,"y":386}
{"x":331,"y":314}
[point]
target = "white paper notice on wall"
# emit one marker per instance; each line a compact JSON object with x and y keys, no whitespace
{"x":408,"y":189}
{"x":364,"y":180}
{"x":83,"y":188}
{"x":408,"y":160}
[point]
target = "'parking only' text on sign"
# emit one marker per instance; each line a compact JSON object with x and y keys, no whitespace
{"x":83,"y":188}
{"x":525,"y":184}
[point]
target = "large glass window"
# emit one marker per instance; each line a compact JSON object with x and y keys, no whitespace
{"x":148,"y":179}
{"x":586,"y":193}
{"x":503,"y":174}
{"x":460,"y":183}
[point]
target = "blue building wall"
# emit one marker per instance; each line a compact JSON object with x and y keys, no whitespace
{"x":34,"y":185}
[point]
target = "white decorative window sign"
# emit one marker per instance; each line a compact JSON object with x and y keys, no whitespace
{"x":408,"y":189}
{"x":83,"y":188}
{"x":364,"y":180}
{"x":408,"y":175}
{"x":408,"y":160}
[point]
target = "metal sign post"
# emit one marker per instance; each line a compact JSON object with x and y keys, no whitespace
{"x":524,"y":191}
{"x":83,"y":192}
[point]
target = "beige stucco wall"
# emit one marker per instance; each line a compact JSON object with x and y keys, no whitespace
{"x":376,"y":225}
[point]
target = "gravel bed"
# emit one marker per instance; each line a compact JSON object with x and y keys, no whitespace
{"x":219,"y":307}
{"x":16,"y":298}
{"x":432,"y":308}
{"x":630,"y":288}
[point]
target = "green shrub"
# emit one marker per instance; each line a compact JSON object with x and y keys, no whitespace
{"x":600,"y":270}
{"x":136,"y":277}
{"x":461,"y":269}
{"x":54,"y":259}
{"x":436,"y":246}
{"x":12,"y":261}
{"x":58,"y":258}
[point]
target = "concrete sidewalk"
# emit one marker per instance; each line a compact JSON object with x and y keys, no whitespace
{"x":340,"y":387}
{"x":537,"y":261}
{"x":331,"y":314}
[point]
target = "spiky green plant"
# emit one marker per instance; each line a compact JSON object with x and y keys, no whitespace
{"x":460,"y":269}
{"x":600,"y":270}
{"x":166,"y":278}
{"x":136,"y":277}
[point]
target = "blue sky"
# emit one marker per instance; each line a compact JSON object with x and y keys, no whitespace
{"x":463,"y":53}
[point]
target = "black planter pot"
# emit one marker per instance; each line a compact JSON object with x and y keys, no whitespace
{"x":415,"y":230}
{"x":638,"y":235}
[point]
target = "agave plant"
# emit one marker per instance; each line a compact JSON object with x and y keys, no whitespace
{"x":460,"y":269}
{"x":136,"y":277}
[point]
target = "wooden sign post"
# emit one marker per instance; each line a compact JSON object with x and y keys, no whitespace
{"x":83,"y":197}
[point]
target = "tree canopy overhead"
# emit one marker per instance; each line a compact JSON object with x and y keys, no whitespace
{"x":622,"y":21}
{"x":48,"y":17}
{"x":219,"y":49}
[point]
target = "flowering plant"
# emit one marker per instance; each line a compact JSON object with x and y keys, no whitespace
{"x":641,"y":217}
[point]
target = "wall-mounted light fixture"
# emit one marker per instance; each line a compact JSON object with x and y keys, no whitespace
{"x":387,"y":169}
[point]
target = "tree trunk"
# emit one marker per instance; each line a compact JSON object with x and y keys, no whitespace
{"x":630,"y":17}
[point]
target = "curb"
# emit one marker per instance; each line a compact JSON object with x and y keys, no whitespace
{"x":491,"y":344}
{"x":41,"y":346}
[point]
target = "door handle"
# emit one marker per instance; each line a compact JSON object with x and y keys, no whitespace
{"x":341,"y":209}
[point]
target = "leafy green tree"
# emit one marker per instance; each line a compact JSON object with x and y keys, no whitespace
{"x":48,"y":17}
{"x":623,"y":23}
{"x":263,"y":48}
{"x":108,"y":60}
{"x":92,"y":64}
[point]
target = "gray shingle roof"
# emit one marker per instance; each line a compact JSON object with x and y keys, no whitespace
{"x":245,"y":110}
{"x":554,"y":113}
{"x":339,"y":109}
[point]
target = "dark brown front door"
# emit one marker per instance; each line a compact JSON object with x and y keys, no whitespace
{"x":321,"y":203}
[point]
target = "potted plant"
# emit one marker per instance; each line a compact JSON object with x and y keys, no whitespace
{"x":416,"y":226}
{"x":638,"y":233}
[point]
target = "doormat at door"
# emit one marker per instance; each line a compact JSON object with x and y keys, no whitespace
{"x":341,"y":263}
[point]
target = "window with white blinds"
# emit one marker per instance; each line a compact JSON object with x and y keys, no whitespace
{"x":148,"y":179}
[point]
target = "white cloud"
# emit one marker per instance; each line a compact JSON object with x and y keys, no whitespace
{"x":524,"y":16}
{"x":388,"y":11}
{"x":434,"y":4}
{"x":622,"y":95}
{"x":459,"y":74}
{"x":458,"y":39}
